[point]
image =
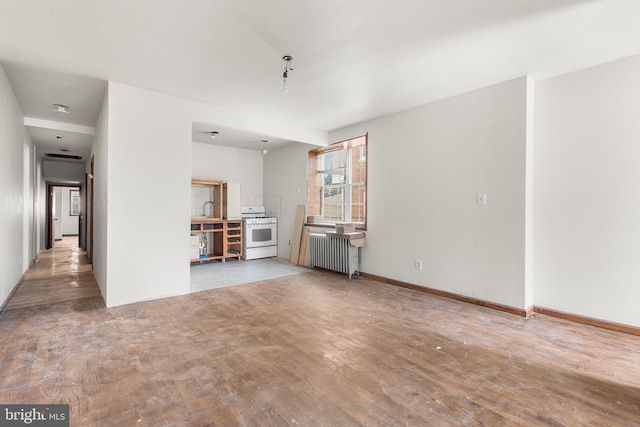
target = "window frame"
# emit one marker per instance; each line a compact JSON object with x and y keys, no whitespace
{"x":315,"y":178}
{"x":74,"y":202}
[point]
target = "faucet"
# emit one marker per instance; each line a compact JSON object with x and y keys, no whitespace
{"x":213,"y":208}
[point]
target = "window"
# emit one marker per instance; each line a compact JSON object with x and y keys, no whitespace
{"x":74,"y":202}
{"x":337,"y":182}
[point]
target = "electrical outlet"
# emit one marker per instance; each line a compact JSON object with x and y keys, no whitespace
{"x":418,"y":264}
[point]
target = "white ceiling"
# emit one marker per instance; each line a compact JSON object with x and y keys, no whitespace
{"x":229,"y":137}
{"x":353,"y":59}
{"x":38,"y":89}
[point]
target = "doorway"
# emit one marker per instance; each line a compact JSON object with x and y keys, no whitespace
{"x":64,"y":206}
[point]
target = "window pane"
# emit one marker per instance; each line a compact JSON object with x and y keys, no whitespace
{"x":358,"y":165}
{"x":333,"y":203}
{"x":358,"y":203}
{"x":333,"y":161}
{"x":333,"y":179}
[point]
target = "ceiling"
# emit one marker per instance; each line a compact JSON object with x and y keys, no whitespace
{"x":354,"y":60}
{"x":237,"y":138}
{"x":38,"y":89}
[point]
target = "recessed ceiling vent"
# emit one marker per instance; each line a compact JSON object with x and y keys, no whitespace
{"x":63,"y":156}
{"x":59,"y":108}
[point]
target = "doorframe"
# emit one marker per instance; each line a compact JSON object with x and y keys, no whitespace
{"x":92,"y":177}
{"x":84,"y":211}
{"x":82,"y":216}
{"x":49,"y":208}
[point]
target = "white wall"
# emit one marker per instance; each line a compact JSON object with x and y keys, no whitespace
{"x":228,"y":164}
{"x":11,"y":188}
{"x":529,"y":201}
{"x":33,"y":193}
{"x":39,"y":201}
{"x":148,"y":197}
{"x":17,"y":244}
{"x":587,"y":201}
{"x":100,"y":153}
{"x":426,"y":167}
{"x":285,"y":176}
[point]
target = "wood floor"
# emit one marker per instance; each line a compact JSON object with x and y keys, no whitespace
{"x":60,"y":274}
{"x":315,"y":349}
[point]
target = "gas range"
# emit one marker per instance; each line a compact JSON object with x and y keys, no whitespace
{"x":260,"y":233}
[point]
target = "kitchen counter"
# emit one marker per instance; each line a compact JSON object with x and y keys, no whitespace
{"x":199,"y":219}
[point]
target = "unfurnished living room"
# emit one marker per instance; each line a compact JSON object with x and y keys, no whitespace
{"x":323,"y":213}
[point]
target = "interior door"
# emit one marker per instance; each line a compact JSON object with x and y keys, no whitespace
{"x":49,"y":216}
{"x":58,"y":213}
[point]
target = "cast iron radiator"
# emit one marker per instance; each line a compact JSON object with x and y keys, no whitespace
{"x":333,"y":253}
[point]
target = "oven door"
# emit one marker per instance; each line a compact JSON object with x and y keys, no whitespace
{"x":257,"y":236}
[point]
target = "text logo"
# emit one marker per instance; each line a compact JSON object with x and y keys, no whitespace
{"x":34,"y":415}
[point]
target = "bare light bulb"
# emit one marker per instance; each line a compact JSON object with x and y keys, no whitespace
{"x":287,"y":67}
{"x":285,"y":87}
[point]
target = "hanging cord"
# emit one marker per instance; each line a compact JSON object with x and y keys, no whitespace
{"x":287,"y":67}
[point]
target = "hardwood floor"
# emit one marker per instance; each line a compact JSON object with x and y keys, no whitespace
{"x":60,"y":274}
{"x":66,"y":242}
{"x":315,"y":349}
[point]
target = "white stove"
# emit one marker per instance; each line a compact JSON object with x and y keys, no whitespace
{"x":260,"y":233}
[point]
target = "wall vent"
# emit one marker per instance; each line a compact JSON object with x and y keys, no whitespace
{"x":63,"y":156}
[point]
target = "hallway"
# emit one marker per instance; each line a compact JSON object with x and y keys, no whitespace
{"x":62,"y":273}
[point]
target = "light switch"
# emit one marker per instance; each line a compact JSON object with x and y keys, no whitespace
{"x":482,"y":198}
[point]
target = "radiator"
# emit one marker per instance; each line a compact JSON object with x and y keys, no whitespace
{"x":333,"y":253}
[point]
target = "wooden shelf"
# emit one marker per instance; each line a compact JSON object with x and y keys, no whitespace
{"x":223,"y":237}
{"x":233,"y":238}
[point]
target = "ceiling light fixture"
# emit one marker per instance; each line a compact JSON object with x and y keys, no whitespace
{"x":265,"y":150}
{"x":59,"y":108}
{"x":214,"y":134}
{"x":287,"y":67}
